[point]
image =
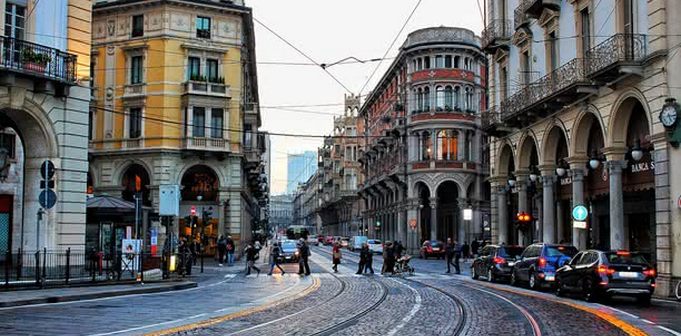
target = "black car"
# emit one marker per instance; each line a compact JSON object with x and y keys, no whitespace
{"x":495,"y":262}
{"x":289,"y":251}
{"x":538,"y":264}
{"x":596,"y":274}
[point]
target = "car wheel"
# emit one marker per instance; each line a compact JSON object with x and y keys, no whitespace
{"x":514,"y":279}
{"x":474,"y":273}
{"x":643,"y":300}
{"x":588,"y":291}
{"x":534,"y":282}
{"x":490,"y":276}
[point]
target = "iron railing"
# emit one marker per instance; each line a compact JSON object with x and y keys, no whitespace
{"x":489,"y":118}
{"x":497,"y":29}
{"x":617,"y":49}
{"x":57,"y":268}
{"x":35,"y":59}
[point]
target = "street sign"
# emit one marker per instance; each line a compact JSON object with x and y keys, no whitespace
{"x":47,"y":170}
{"x":579,"y":213}
{"x":47,"y":198}
{"x":579,"y":225}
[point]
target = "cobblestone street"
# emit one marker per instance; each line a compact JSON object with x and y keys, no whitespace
{"x":326,"y":303}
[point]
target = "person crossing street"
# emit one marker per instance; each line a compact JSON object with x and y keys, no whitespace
{"x":451,"y":254}
{"x":251,"y":255}
{"x":337,"y":255}
{"x":304,"y":255}
{"x":275,"y":254}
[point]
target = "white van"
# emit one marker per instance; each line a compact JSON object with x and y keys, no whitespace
{"x":356,"y":242}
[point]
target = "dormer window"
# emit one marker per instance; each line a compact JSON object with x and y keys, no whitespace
{"x":203,"y":27}
{"x":138,"y":25}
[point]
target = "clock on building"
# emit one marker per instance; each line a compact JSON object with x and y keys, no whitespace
{"x":670,"y":112}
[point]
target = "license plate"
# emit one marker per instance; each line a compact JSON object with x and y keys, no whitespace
{"x":550,"y":278}
{"x":628,"y":274}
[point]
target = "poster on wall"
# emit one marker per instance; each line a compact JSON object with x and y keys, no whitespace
{"x":153,"y":240}
{"x":130,"y":255}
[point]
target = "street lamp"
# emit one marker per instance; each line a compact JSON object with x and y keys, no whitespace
{"x":637,"y":151}
{"x":511,"y":181}
{"x":562,"y":168}
{"x":533,"y":173}
{"x":595,"y":160}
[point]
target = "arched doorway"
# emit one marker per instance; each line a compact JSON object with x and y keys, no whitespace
{"x":529,"y":193}
{"x":200,"y":204}
{"x":557,"y":195}
{"x":424,"y":211}
{"x":507,"y":200}
{"x":448,"y":211}
{"x":136,"y":180}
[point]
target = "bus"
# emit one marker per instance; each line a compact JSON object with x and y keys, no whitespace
{"x":297,"y":231}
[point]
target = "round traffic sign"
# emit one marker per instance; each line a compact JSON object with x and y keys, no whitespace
{"x":47,"y":170}
{"x":47,"y":198}
{"x":579,"y":213}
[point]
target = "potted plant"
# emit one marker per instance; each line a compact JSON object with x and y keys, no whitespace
{"x":35,"y":61}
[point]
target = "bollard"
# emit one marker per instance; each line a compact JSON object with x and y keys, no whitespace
{"x":37,"y":267}
{"x":68,"y":265}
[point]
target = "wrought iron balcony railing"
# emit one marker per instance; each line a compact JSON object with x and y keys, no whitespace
{"x":497,"y":31}
{"x":618,"y":49}
{"x":490,"y":118}
{"x":38,"y":60}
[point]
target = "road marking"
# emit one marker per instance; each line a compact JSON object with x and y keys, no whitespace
{"x":669,"y":330}
{"x":212,"y":321}
{"x":230,"y":276}
{"x":535,"y":326}
{"x":412,"y":312}
{"x":620,"y":311}
{"x":646,"y":321}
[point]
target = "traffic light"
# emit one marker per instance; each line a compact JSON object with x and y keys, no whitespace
{"x":523,"y":217}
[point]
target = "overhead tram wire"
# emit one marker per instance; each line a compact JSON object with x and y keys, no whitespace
{"x":302,"y":53}
{"x":391,"y":46}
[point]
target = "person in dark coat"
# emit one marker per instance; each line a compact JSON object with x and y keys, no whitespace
{"x":275,"y":253}
{"x":251,"y":253}
{"x":465,"y":251}
{"x":222,"y":249}
{"x":474,"y":248}
{"x":303,"y":260}
{"x":389,"y":258}
{"x":368,"y":257}
{"x":230,"y":251}
{"x":450,"y":252}
{"x":362,"y":261}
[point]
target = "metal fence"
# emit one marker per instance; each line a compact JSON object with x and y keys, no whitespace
{"x":24,"y":56}
{"x":58,"y":268}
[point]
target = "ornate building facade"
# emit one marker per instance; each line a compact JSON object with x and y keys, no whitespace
{"x":175,"y":102}
{"x":576,"y":91}
{"x":423,"y":158}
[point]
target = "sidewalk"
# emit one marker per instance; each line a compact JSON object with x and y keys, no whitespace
{"x":54,"y":295}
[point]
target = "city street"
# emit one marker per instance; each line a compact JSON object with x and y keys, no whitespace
{"x":428,"y":303}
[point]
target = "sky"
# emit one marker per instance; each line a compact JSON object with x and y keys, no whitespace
{"x":329,"y":31}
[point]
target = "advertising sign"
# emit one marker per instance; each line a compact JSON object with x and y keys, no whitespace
{"x":130,"y":255}
{"x":153,"y":240}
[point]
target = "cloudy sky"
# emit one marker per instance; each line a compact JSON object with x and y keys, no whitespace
{"x":328,"y":31}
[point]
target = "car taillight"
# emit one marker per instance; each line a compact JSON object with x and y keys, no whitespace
{"x":542,"y":262}
{"x":604,"y":270}
{"x":499,"y":260}
{"x":650,"y":272}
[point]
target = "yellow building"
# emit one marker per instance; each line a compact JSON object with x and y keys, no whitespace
{"x":175,"y":103}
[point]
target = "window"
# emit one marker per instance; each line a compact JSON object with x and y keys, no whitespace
{"x":586,"y":31}
{"x":15,"y":23}
{"x":439,"y":61}
{"x":426,"y":62}
{"x":440,"y":98}
{"x":552,"y":46}
{"x":351,"y":131}
{"x":448,"y":61}
{"x":248,"y":136}
{"x":216,"y":122}
{"x":135,"y":123}
{"x":91,"y":124}
{"x":203,"y":27}
{"x":7,"y":141}
{"x":446,"y":145}
{"x":199,"y":122}
{"x":136,"y":70}
{"x":426,"y":146}
{"x":212,"y":65}
{"x":419,"y":64}
{"x":457,"y":62}
{"x":503,"y":79}
{"x":457,"y":98}
{"x":426,"y":99}
{"x":194,"y":68}
{"x":137,"y":25}
{"x":449,"y":98}
{"x":419,"y":100}
{"x":525,"y":67}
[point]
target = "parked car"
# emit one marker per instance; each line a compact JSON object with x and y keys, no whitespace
{"x":329,"y":240}
{"x":538,"y":264}
{"x":375,"y":246}
{"x":356,"y":242}
{"x":345,"y":242}
{"x":495,"y":262}
{"x":312,"y":240}
{"x":289,"y":251}
{"x":432,"y":248}
{"x":597,"y":274}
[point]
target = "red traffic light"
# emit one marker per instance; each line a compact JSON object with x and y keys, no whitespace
{"x":192,"y":211}
{"x":524,"y":217}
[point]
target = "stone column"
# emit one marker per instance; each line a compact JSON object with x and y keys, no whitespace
{"x":549,"y":229}
{"x":402,"y":225}
{"x":616,"y":204}
{"x":579,"y":236}
{"x":502,"y":215}
{"x":560,"y":221}
{"x":463,"y":224}
{"x":433,"y":218}
{"x":460,"y":144}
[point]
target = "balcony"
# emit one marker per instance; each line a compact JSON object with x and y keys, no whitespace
{"x":534,"y":8}
{"x":621,"y":54}
{"x":206,"y":144}
{"x":134,"y":91}
{"x":26,"y":58}
{"x":205,"y":88}
{"x":491,"y":123}
{"x":496,"y":35}
{"x":561,"y":87}
{"x":443,"y":114}
{"x":520,"y":18}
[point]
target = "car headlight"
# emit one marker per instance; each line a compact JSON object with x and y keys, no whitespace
{"x":297,"y":253}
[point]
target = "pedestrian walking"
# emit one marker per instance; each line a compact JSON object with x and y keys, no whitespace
{"x":222,"y":249}
{"x":303,"y":260}
{"x":457,"y":256}
{"x":399,"y":249}
{"x":388,"y":258}
{"x":185,"y":256}
{"x":367,"y":256}
{"x":230,"y":251}
{"x":465,"y":251}
{"x":275,"y":253}
{"x":251,"y":256}
{"x":337,"y":255}
{"x":450,"y":251}
{"x":474,"y":247}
